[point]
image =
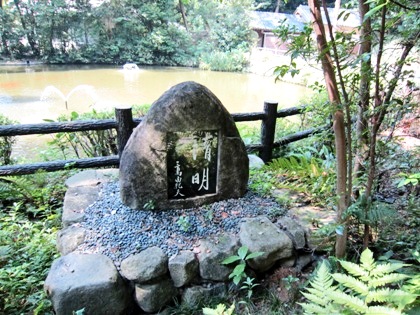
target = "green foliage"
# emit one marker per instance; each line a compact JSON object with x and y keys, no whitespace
{"x":289,"y":280}
{"x":35,"y":194}
{"x":6,"y":143}
{"x":26,"y":254}
{"x":250,"y":133}
{"x":238,"y":272}
{"x":368,"y":212}
{"x":248,"y":285}
{"x":234,"y":61}
{"x":219,"y":310}
{"x":184,"y":223}
{"x":262,"y":181}
{"x":367,"y":288}
{"x":29,"y":220}
{"x":90,"y":143}
{"x":150,"y":205}
{"x":409,"y":179}
{"x":143,"y":32}
{"x":307,"y":172}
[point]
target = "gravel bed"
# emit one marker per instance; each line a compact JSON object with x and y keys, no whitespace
{"x":117,"y":231}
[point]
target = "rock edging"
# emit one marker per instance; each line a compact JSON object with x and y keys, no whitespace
{"x":150,"y":280}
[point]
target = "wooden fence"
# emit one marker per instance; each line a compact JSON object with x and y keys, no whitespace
{"x":124,"y":124}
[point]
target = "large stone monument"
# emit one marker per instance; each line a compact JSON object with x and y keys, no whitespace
{"x":186,"y":152}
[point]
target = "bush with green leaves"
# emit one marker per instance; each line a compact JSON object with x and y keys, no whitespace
{"x":366,"y":288}
{"x":308,"y":171}
{"x":224,"y":61}
{"x":26,"y":253}
{"x":90,"y":143}
{"x":6,"y":143}
{"x":36,"y":194}
{"x":29,"y":220}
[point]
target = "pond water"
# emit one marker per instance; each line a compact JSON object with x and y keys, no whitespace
{"x":23,"y":94}
{"x":31,"y":94}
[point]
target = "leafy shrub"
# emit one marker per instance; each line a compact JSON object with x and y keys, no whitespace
{"x":26,"y":254}
{"x":37,"y":194}
{"x":309,"y":171}
{"x":367,"y":288}
{"x":90,"y":143}
{"x":224,"y":61}
{"x":29,"y":221}
{"x":6,"y":143}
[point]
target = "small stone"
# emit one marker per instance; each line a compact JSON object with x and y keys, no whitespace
{"x":183,"y":268}
{"x":295,"y":231}
{"x":147,"y":265}
{"x":76,"y":201}
{"x":273,"y":242}
{"x":154,"y":297}
{"x":211,"y":257}
{"x":255,"y":162}
{"x":197,"y":294}
{"x":69,"y":238}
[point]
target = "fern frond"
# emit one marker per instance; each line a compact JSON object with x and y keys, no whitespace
{"x":382,"y":269}
{"x":323,"y":280}
{"x":382,"y":310}
{"x":397,"y":297}
{"x":315,"y":168}
{"x":354,"y":303}
{"x":351,"y":283}
{"x":316,"y":299}
{"x":319,"y":310}
{"x":379,"y":211}
{"x":15,"y":185}
{"x":366,"y":260}
{"x":355,"y":269}
{"x":413,"y":285}
{"x":320,"y":293}
{"x":387,"y":279}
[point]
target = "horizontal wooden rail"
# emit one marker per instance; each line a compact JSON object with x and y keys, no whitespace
{"x":124,"y":123}
{"x":289,"y":138}
{"x":62,"y":126}
{"x":298,"y":136}
{"x":103,"y":124}
{"x":25,"y":169}
{"x":248,"y":117}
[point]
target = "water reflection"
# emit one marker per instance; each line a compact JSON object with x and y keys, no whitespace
{"x":20,"y":91}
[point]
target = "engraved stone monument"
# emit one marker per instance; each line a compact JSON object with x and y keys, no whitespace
{"x":186,"y":152}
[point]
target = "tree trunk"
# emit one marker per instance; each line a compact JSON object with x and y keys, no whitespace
{"x":184,"y":15}
{"x":339,"y":130}
{"x":364,"y":89}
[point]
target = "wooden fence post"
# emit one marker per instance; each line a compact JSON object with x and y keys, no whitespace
{"x":268,"y":130}
{"x":125,"y":124}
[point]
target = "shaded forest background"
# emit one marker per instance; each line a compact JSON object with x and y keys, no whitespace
{"x":161,"y":32}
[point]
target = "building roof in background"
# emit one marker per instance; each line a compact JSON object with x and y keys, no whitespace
{"x":269,"y":21}
{"x":348,"y":17}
